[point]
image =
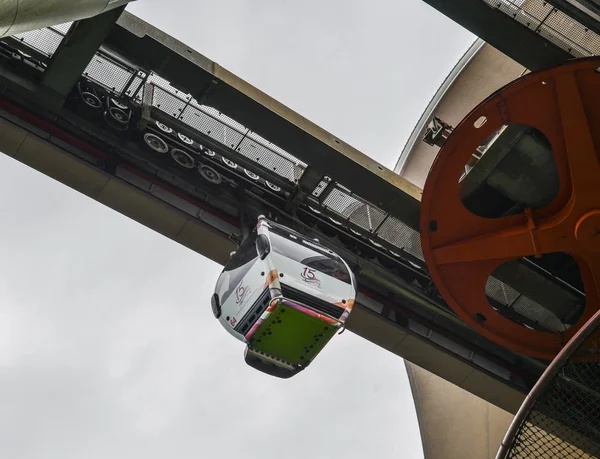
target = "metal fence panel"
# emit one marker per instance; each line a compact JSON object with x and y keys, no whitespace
{"x":560,"y":418}
{"x":108,"y":73}
{"x":46,"y":40}
{"x":553,"y":24}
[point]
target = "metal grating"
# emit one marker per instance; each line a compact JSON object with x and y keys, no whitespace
{"x":523,"y":305}
{"x":531,"y":309}
{"x":376,"y":223}
{"x":124,"y":80}
{"x":226,"y":120}
{"x":560,"y":418}
{"x":354,"y":209}
{"x":552,"y":24}
{"x":225,"y":130}
{"x":109,"y":73}
{"x":270,"y":159}
{"x":280,"y":151}
{"x":402,"y":236}
{"x":169,"y":103}
{"x":500,"y":292}
{"x":47,"y":40}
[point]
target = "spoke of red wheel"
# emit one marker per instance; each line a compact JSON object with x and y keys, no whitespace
{"x":515,"y":243}
{"x":583,"y":160}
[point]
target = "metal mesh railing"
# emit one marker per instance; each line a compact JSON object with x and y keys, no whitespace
{"x":515,"y":301}
{"x":114,"y":76}
{"x":45,"y":41}
{"x":368,"y":219}
{"x":357,"y":211}
{"x":126,"y":81}
{"x":401,"y":236}
{"x":560,"y":418}
{"x":551,"y":23}
{"x":219,"y":127}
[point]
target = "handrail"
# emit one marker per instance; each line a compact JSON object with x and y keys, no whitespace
{"x":544,"y":382}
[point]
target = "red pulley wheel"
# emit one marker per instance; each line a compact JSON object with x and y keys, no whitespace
{"x":462,"y":249}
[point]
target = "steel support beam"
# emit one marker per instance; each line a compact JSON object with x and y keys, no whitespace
{"x":502,"y":32}
{"x":77,"y":50}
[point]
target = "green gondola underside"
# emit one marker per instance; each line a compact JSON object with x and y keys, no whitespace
{"x":292,"y":335}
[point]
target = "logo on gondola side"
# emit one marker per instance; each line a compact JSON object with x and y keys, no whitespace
{"x":240,"y":294}
{"x":309,"y":276}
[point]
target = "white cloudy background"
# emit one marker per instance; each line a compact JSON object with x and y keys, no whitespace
{"x":108,"y":347}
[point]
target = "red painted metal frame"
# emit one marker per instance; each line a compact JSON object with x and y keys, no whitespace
{"x":462,"y":249}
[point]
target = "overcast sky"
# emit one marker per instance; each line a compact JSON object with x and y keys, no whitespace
{"x":108,"y":347}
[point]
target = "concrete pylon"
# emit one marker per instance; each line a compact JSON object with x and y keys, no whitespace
{"x":18,"y":16}
{"x":455,"y":424}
